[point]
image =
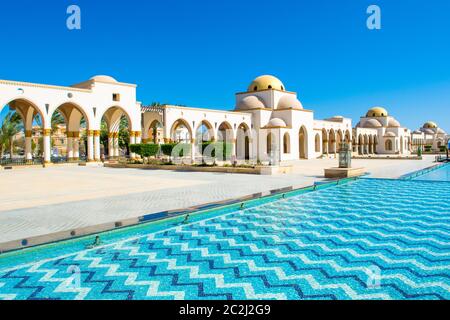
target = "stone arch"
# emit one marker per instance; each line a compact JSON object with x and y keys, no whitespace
{"x":200,"y":136}
{"x":388,"y":145}
{"x":331,"y":141}
{"x":185,"y":135}
{"x":225,"y":132}
{"x":243,"y":136}
{"x":153,"y":131}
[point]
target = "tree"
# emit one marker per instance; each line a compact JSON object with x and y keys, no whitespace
{"x":12,"y":125}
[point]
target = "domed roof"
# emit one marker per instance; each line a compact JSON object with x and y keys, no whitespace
{"x":372,"y":123}
{"x":394,"y":123}
{"x":441,"y":131}
{"x":104,"y":78}
{"x":289,"y":102}
{"x":266,"y":82}
{"x":251,"y":102}
{"x":377,"y":112}
{"x":430,"y":125}
{"x":389,"y":134}
{"x":276,"y":122}
{"x":428,"y":131}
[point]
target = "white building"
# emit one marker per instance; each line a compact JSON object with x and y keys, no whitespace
{"x":380,"y":133}
{"x":429,"y":135}
{"x":268,"y":124}
{"x":97,"y":98}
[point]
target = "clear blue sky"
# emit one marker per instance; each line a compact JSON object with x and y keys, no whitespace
{"x":199,"y":53}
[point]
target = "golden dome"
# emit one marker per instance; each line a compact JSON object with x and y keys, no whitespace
{"x":266,"y":82}
{"x":377,"y":112}
{"x":430,"y":125}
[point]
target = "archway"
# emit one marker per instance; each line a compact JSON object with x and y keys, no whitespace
{"x":360,"y":145}
{"x":325,"y":142}
{"x":181,"y":132}
{"x":303,"y":143}
{"x":388,"y":145}
{"x":155,"y":132}
{"x":332,"y":142}
{"x":115,"y":134}
{"x":21,"y":139}
{"x":339,"y":140}
{"x":243,"y":142}
{"x":317,"y":142}
{"x":69,"y":126}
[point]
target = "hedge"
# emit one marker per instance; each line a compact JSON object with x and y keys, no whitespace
{"x":442,"y":148}
{"x":428,"y":148}
{"x":220,"y":150}
{"x":176,"y":149}
{"x":145,"y":150}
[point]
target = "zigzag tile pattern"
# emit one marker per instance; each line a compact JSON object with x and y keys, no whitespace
{"x":372,"y":239}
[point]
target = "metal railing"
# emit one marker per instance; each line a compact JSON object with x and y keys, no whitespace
{"x":20,"y":162}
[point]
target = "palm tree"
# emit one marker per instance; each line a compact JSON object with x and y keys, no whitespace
{"x":12,"y":125}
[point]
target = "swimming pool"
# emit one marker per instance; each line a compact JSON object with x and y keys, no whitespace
{"x":440,"y":174}
{"x":369,"y":239}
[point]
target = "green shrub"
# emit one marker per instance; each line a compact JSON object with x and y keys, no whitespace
{"x":176,"y":149}
{"x":428,"y":148}
{"x":145,"y":150}
{"x":442,"y":148}
{"x":220,"y":150}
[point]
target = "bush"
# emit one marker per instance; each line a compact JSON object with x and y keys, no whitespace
{"x":442,"y":148}
{"x":428,"y":148}
{"x":221,"y":150}
{"x":145,"y":150}
{"x":176,"y":149}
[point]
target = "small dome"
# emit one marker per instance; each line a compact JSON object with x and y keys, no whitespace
{"x":441,"y":131}
{"x":430,"y":125}
{"x":394,"y":123}
{"x":389,"y":134}
{"x":289,"y":102}
{"x":103,"y":78}
{"x":251,"y":102}
{"x":372,"y":123}
{"x":266,"y":82}
{"x":428,"y":131}
{"x":377,"y":112}
{"x":276,"y":123}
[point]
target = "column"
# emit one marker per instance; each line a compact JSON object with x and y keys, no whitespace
{"x":116,"y":145}
{"x":233,"y":150}
{"x":138,"y":137}
{"x":97,"y":145}
{"x":111,"y":145}
{"x":90,"y":142}
{"x":76,"y":145}
{"x":47,"y":146}
{"x":69,"y":146}
{"x":132,"y":141}
{"x":325,"y":148}
{"x":193,"y":150}
{"x":28,"y":146}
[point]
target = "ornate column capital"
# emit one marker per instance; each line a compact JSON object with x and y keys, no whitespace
{"x":90,"y":133}
{"x":47,"y":132}
{"x":97,"y":133}
{"x":28,"y":133}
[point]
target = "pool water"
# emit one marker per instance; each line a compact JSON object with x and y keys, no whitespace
{"x":370,"y":239}
{"x":441,"y":174}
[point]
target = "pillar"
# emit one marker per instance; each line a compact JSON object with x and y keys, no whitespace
{"x":233,"y":150}
{"x":132,"y":141}
{"x":193,"y":150}
{"x":111,"y":145}
{"x":90,"y":142}
{"x":69,"y":152}
{"x":138,"y":137}
{"x":47,"y":146}
{"x":97,"y":145}
{"x":116,"y":144}
{"x":325,"y":148}
{"x":76,"y":145}
{"x":28,"y":146}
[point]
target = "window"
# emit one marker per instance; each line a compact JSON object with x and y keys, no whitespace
{"x":116,"y":97}
{"x":255,"y":88}
{"x":388,"y":145}
{"x":270,"y":87}
{"x":286,"y":143}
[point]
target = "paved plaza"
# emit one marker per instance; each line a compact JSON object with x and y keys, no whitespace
{"x":35,"y":202}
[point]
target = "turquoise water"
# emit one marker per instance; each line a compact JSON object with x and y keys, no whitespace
{"x":441,"y":174}
{"x":370,"y":239}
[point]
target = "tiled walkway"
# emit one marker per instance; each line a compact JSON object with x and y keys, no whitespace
{"x":36,"y":202}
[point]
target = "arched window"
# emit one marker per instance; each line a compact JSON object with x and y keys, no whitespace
{"x":269,"y":143}
{"x":388,"y":145}
{"x":317,"y":143}
{"x":286,"y":143}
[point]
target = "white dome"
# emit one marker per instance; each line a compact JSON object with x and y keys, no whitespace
{"x":394,"y":123}
{"x":251,"y":102}
{"x":289,"y":102}
{"x":104,"y":78}
{"x":440,"y":131}
{"x":389,"y":134}
{"x":276,"y":122}
{"x":428,"y":131}
{"x":372,"y":123}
